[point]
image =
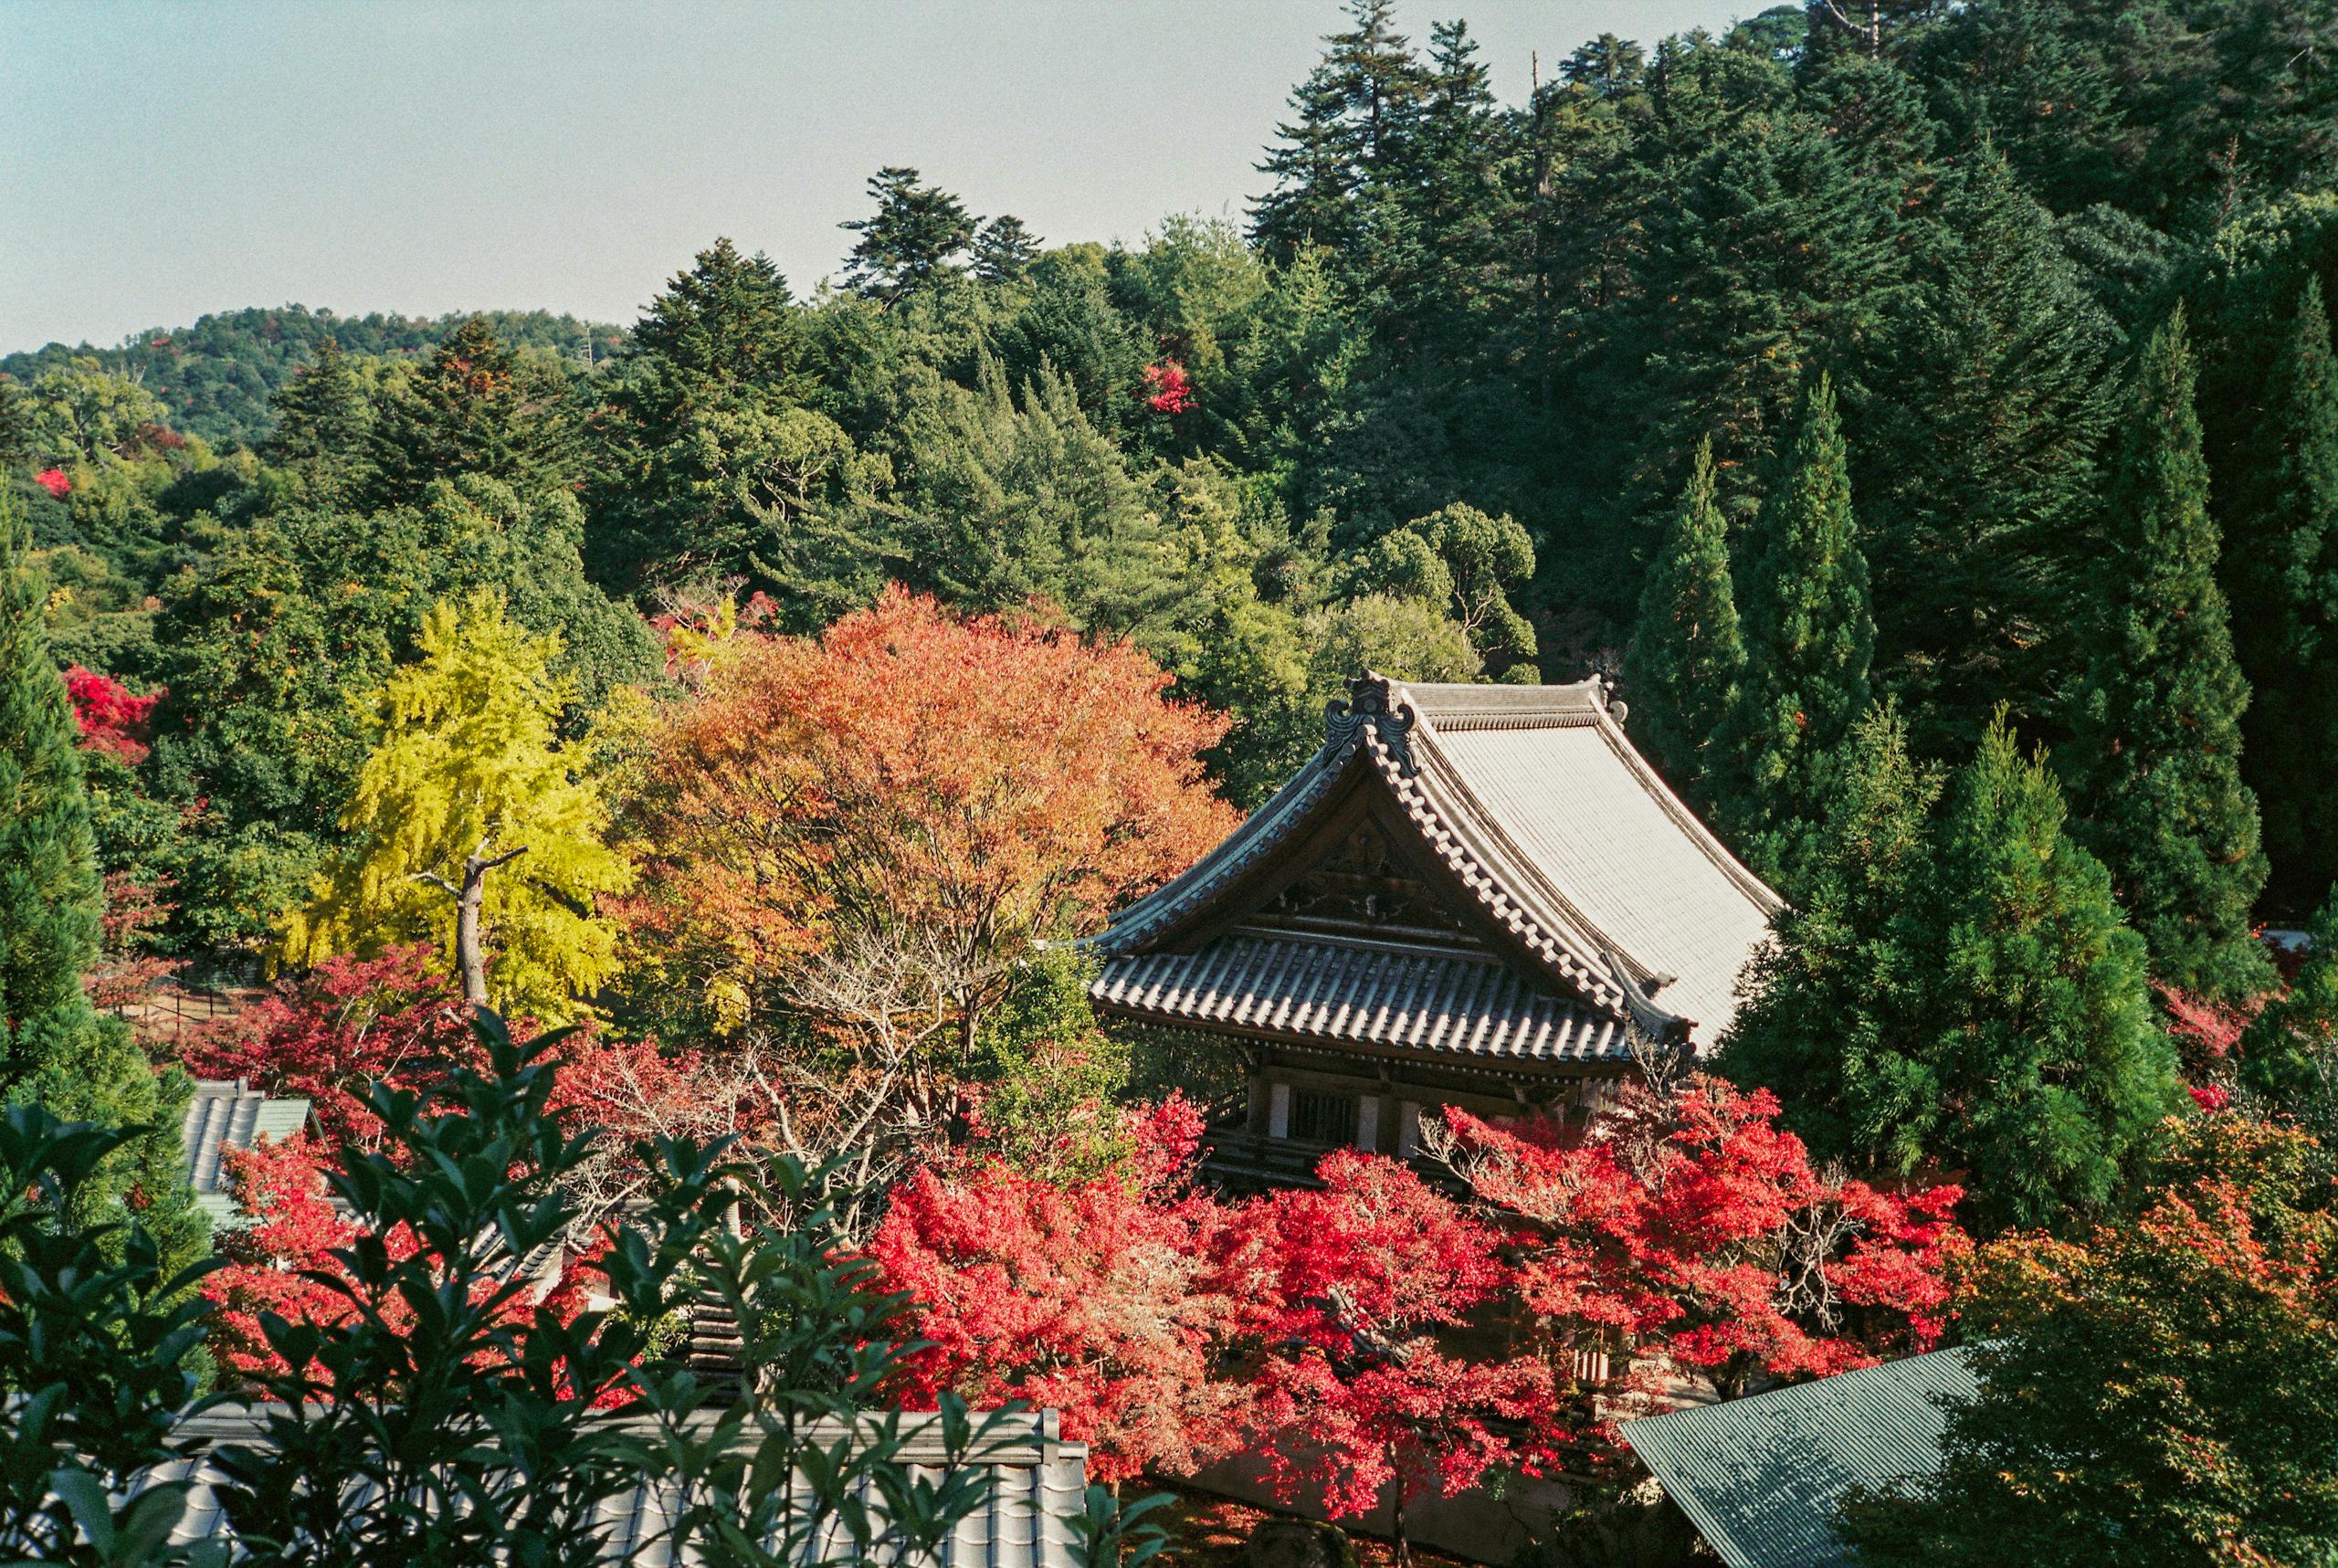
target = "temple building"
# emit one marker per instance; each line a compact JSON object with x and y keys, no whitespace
{"x":1477,"y":896}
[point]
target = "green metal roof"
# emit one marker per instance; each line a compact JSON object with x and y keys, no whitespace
{"x":1760,"y":1477}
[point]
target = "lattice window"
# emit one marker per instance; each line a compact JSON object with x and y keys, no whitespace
{"x":1317,"y":1116}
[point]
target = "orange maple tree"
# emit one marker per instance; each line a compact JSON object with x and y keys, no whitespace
{"x":946,"y":789}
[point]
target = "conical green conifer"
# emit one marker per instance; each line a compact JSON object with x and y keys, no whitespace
{"x":475,"y":407}
{"x":2159,"y":718}
{"x":1809,"y":639}
{"x":1681,"y":670}
{"x":323,"y":418}
{"x":2282,"y":558}
{"x":55,"y":1048}
{"x":2043,"y":1071}
{"x":1995,"y":404}
{"x":1957,"y":991}
{"x":1833,"y":1005}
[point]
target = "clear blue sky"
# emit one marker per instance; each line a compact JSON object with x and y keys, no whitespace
{"x":159,"y":161}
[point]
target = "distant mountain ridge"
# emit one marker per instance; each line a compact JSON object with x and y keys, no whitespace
{"x":217,"y":375}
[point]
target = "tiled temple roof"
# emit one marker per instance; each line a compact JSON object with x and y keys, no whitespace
{"x":1303,"y":991}
{"x":1037,"y":1489}
{"x":1566,"y":843}
{"x":228,"y":1113}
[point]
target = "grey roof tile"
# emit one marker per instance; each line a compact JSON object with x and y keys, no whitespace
{"x":1038,"y":1490}
{"x":1310,"y":990}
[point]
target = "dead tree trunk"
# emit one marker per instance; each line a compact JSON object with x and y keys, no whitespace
{"x":470,"y":952}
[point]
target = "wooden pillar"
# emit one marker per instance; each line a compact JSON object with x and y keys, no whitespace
{"x":1408,"y":1129}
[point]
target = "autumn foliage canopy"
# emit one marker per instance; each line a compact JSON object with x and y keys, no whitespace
{"x":963,"y":784}
{"x":1382,"y":1331}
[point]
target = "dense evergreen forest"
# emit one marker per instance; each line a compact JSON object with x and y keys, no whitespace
{"x":1926,"y":415}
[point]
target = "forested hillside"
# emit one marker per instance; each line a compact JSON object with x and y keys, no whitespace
{"x":215,"y":378}
{"x":1926,"y":414}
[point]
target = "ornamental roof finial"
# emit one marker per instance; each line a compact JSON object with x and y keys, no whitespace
{"x":1372,"y":704}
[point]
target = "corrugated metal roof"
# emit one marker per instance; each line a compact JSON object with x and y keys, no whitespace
{"x":1760,"y":1477}
{"x":228,"y":1113}
{"x":1038,"y":1484}
{"x":1320,"y":990}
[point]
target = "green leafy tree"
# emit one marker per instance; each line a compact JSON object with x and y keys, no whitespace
{"x":1465,"y":563}
{"x":2159,"y":718}
{"x":910,"y":242}
{"x":1962,"y":995}
{"x":2289,"y":1053}
{"x":2282,"y":557}
{"x":2161,"y":1392}
{"x":1023,"y":498}
{"x":1809,"y":638}
{"x":467,"y":778}
{"x":98,"y":1356}
{"x":55,"y":1048}
{"x":1686,"y":657}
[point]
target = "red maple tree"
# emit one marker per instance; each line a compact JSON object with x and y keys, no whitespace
{"x":1167,"y":388}
{"x":55,"y":482}
{"x":1088,"y":1298}
{"x":1693,"y":1227}
{"x":1384,"y":1338}
{"x":328,"y":1035}
{"x":112,"y":720}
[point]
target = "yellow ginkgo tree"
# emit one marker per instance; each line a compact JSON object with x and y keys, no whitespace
{"x":473,"y":827}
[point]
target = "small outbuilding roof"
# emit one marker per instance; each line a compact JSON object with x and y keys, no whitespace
{"x":1542,"y":828}
{"x":1761,"y":1477}
{"x":1038,"y":1492}
{"x":228,"y":1113}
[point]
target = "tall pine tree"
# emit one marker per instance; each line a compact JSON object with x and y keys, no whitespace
{"x":2282,"y":560}
{"x":1352,"y":112}
{"x":711,"y":464}
{"x":55,"y":1048}
{"x":2159,"y":718}
{"x":322,"y":419}
{"x":1979,"y":496}
{"x":1809,"y":639}
{"x":475,"y":407}
{"x":1685,"y":659}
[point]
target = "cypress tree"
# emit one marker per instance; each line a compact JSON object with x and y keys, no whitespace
{"x":2283,"y":559}
{"x":1809,"y":637}
{"x":1685,"y":659}
{"x":55,"y":1048}
{"x":1832,"y":1011}
{"x":2042,"y":1070}
{"x":1957,"y":989}
{"x":2159,"y":718}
